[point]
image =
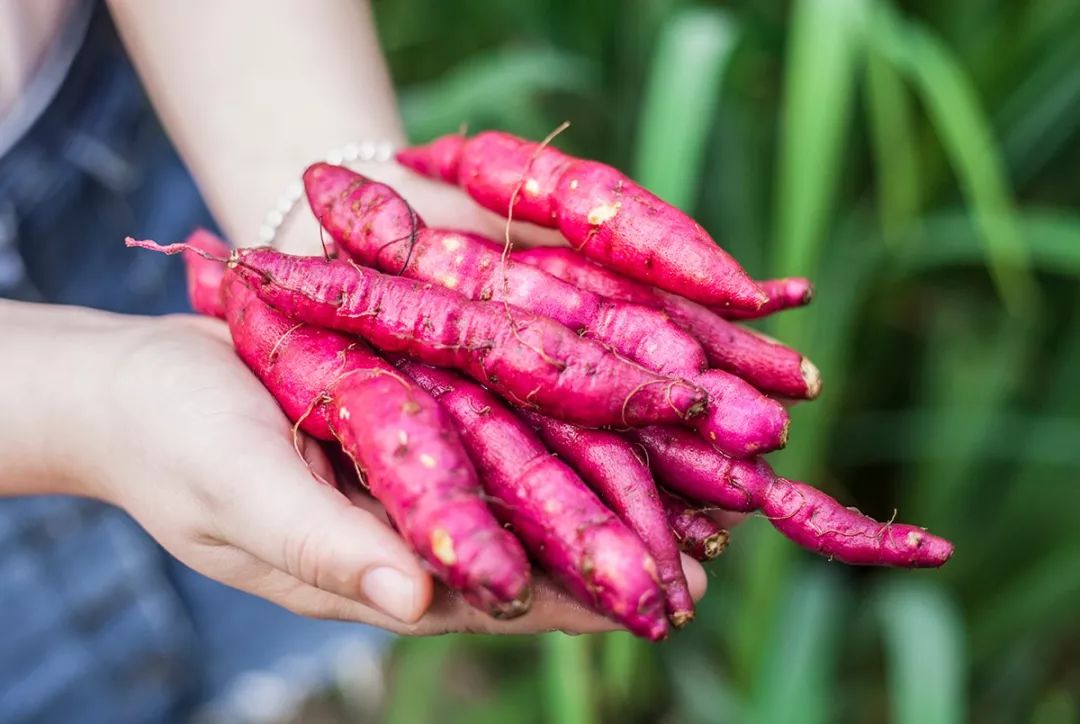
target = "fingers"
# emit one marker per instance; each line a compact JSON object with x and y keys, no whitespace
{"x":552,"y":609}
{"x":696,"y":578}
{"x":313,"y":533}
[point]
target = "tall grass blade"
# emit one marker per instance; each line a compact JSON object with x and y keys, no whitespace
{"x":679,"y":106}
{"x":567,"y":679}
{"x":819,"y":82}
{"x":892,"y":134}
{"x":797,"y":679}
{"x":925,"y":652}
{"x":965,"y":132}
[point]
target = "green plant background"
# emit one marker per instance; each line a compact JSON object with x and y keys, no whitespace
{"x":919,"y":162}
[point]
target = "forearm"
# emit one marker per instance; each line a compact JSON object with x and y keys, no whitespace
{"x":52,"y":357}
{"x":281,"y":83}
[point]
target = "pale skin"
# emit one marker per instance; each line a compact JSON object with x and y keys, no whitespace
{"x":158,"y":416}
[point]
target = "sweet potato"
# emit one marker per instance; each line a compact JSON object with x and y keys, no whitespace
{"x":336,"y":389}
{"x":608,"y":463}
{"x":785,"y":293}
{"x":697,"y":533}
{"x":809,"y":517}
{"x":204,"y":274}
{"x":767,"y":365}
{"x":533,"y":361}
{"x":562,"y":523}
{"x":600,"y":211}
{"x":374,"y":225}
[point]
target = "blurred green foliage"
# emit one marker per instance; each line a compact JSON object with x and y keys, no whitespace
{"x":919,"y":162}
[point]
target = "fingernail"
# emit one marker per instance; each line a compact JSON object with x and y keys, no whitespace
{"x":390,"y":591}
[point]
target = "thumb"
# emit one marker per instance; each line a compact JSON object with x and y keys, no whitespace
{"x":315,"y":534}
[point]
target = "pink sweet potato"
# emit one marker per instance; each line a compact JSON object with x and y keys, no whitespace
{"x":405,"y":444}
{"x":809,"y":517}
{"x":697,"y":533}
{"x":531,"y":360}
{"x":336,"y":389}
{"x":785,"y":293}
{"x":376,"y":227}
{"x":562,"y":523}
{"x":608,"y":463}
{"x":767,"y":365}
{"x":600,"y":211}
{"x":204,"y":274}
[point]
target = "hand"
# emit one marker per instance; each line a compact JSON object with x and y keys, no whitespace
{"x":186,"y":439}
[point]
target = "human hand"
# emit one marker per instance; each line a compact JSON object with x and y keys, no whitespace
{"x":180,"y":434}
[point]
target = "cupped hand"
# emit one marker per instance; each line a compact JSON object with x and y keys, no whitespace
{"x":181,"y":435}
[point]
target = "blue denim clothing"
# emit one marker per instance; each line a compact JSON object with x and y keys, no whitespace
{"x":97,"y":623}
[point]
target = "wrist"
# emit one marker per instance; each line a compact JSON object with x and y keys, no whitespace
{"x":58,"y":358}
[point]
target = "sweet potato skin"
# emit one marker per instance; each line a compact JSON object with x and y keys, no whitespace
{"x":783,"y":293}
{"x":610,"y":466}
{"x":807,"y":516}
{"x":600,"y":211}
{"x":531,"y":360}
{"x":562,"y":523}
{"x":415,"y":465}
{"x":768,"y":365}
{"x":335,"y":388}
{"x":697,"y":533}
{"x":204,"y":274}
{"x":373,"y":224}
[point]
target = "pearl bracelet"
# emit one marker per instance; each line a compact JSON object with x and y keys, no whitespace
{"x":364,"y":152}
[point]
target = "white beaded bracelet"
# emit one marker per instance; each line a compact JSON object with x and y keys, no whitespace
{"x":364,"y":152}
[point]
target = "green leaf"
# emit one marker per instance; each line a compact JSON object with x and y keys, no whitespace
{"x":1059,"y":706}
{"x":419,"y":667}
{"x":496,"y":88}
{"x":797,"y":679}
{"x":567,"y":677}
{"x":1042,"y":113}
{"x":967,"y":398}
{"x":679,"y":106}
{"x":701,"y":692}
{"x":955,"y":111}
{"x":1052,"y":238}
{"x":1037,"y":603}
{"x":819,"y":80}
{"x":620,"y":655}
{"x":892,"y":133}
{"x":924,"y":652}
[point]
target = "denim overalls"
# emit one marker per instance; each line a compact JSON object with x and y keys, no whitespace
{"x":97,"y":623}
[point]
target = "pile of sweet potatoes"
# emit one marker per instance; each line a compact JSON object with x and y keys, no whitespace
{"x":584,"y":407}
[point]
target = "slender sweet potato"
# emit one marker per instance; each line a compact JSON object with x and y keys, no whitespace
{"x":532,"y":360}
{"x":204,"y":274}
{"x":785,"y":293}
{"x":600,"y":211}
{"x":607,"y":462}
{"x":697,"y":533}
{"x":809,"y":517}
{"x":767,"y":365}
{"x":413,"y":461}
{"x":374,"y":225}
{"x":337,"y":390}
{"x":562,"y":523}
